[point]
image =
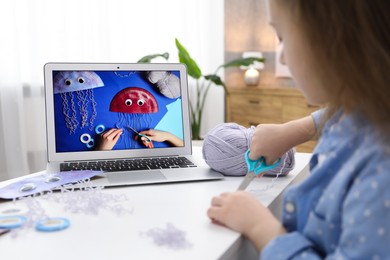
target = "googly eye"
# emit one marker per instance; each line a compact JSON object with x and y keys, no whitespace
{"x":28,"y":187}
{"x":128,"y":102}
{"x":81,"y":80}
{"x":52,"y":179}
{"x":141,"y":102}
{"x":68,"y":82}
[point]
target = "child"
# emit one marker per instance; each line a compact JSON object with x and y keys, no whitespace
{"x":338,"y":52}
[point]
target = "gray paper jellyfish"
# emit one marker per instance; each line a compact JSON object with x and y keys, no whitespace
{"x":167,"y":83}
{"x":76,"y":90}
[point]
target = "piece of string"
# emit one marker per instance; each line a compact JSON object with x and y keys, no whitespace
{"x":170,"y":237}
{"x":83,"y":198}
{"x":87,"y":199}
{"x":79,"y":198}
{"x":273,"y":181}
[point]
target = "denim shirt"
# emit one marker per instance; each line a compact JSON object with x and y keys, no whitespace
{"x":342,"y":209}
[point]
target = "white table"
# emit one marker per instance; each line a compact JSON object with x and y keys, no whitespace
{"x":109,"y":236}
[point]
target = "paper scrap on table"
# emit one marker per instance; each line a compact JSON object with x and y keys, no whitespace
{"x":44,"y":182}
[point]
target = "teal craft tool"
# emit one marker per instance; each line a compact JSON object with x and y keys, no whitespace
{"x":255,"y":168}
{"x":148,"y":139}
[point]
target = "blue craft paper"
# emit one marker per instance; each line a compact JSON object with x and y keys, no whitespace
{"x":169,"y":122}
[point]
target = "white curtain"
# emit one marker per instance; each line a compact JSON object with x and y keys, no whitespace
{"x":34,"y":32}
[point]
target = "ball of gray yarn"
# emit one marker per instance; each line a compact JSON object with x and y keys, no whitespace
{"x":224,"y":150}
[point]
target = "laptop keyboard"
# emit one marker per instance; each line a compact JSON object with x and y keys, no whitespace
{"x":129,"y":164}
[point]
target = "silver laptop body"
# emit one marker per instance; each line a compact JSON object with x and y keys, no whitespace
{"x":84,"y":101}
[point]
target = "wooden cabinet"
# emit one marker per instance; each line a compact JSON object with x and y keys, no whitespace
{"x":258,"y":105}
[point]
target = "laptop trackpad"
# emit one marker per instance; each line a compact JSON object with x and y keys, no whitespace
{"x":135,"y":177}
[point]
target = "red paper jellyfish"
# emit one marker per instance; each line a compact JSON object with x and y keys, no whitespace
{"x":134,"y":106}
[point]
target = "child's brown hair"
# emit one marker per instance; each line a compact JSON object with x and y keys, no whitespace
{"x":350,"y":40}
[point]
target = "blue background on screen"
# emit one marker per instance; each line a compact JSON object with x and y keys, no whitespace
{"x":113,"y":83}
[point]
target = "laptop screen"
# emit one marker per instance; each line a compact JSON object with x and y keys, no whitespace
{"x":129,"y":108}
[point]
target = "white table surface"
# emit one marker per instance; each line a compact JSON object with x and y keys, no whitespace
{"x":109,"y":236}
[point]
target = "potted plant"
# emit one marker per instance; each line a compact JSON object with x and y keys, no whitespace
{"x":203,"y":82}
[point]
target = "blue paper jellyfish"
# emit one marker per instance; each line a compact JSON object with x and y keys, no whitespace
{"x":76,"y":89}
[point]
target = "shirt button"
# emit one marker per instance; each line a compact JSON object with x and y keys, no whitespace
{"x":289,"y":207}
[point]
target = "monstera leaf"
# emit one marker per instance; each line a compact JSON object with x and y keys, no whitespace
{"x":184,"y":57}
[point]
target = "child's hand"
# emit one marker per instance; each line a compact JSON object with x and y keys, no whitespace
{"x":109,"y":139}
{"x":270,"y":141}
{"x":273,"y":140}
{"x":244,"y":213}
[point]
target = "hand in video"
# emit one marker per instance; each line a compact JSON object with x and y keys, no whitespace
{"x":160,"y":136}
{"x":109,"y":139}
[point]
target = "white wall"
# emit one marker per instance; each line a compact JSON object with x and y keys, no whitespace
{"x":104,"y":31}
{"x":120,"y":31}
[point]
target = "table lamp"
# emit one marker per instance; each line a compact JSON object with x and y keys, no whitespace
{"x":252,"y":72}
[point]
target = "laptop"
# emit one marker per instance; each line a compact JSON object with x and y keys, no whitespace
{"x":131,"y":121}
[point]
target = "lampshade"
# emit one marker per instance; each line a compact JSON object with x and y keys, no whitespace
{"x":257,"y":65}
